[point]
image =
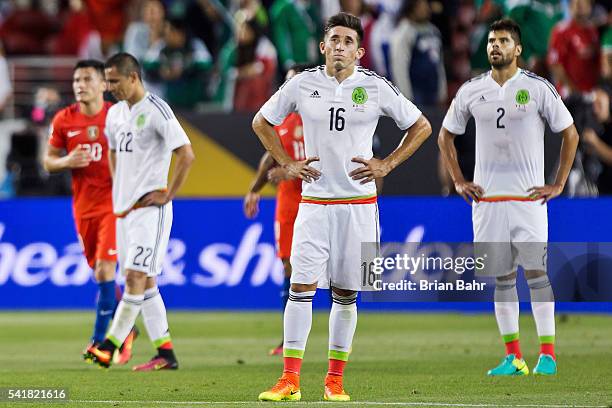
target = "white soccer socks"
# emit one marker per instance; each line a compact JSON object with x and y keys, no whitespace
{"x":543,"y":309}
{"x":507,"y":314}
{"x":342,"y":324}
{"x":155,"y":318}
{"x":506,"y":306}
{"x":297,"y":323}
{"x":125,"y":317}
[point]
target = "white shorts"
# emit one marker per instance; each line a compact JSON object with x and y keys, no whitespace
{"x":515,"y":233}
{"x":327,"y":243}
{"x":142,"y":239}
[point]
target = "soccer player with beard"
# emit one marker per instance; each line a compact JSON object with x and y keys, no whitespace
{"x":508,"y":194}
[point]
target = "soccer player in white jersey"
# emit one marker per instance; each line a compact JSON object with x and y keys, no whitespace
{"x":509,"y":196}
{"x":340,"y":104}
{"x":143,"y":133}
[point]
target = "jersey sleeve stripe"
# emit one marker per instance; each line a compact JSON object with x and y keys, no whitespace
{"x":476,"y":78}
{"x":539,"y":78}
{"x":374,"y":74}
{"x":164,"y":105}
{"x":159,"y":107}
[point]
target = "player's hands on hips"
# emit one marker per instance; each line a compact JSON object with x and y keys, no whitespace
{"x":251,"y":205}
{"x":301,"y":169}
{"x":78,"y":157}
{"x":373,"y":168}
{"x":154,"y":198}
{"x":545,"y":193}
{"x":469,"y":191}
{"x":278,"y":174}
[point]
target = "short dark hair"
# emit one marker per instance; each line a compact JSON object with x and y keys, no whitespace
{"x":506,"y":24}
{"x":125,"y":64}
{"x":345,"y":20}
{"x":301,"y":67}
{"x":98,"y":66}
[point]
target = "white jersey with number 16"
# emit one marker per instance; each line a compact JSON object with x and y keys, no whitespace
{"x":339,"y":121}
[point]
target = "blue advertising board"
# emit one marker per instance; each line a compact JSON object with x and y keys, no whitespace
{"x":217,"y":259}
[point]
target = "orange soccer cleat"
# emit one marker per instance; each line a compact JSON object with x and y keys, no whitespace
{"x":334,"y":391}
{"x":286,"y":389}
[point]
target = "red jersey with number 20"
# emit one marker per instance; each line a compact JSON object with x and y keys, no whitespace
{"x":289,"y":193}
{"x":91,"y":185}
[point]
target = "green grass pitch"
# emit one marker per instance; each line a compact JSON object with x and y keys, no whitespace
{"x":398,"y":359}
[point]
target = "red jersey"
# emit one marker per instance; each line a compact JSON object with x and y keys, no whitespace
{"x":91,"y":185}
{"x":576,"y":48}
{"x":289,"y":193}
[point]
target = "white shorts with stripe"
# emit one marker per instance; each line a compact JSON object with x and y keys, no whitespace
{"x":142,"y":239}
{"x":327,"y":242}
{"x":512,"y":233}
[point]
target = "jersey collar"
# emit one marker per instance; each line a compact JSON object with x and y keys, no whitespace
{"x":509,"y":81}
{"x":333,"y":78}
{"x":144,"y":98}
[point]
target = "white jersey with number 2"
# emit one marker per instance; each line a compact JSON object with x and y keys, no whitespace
{"x":510,"y":123}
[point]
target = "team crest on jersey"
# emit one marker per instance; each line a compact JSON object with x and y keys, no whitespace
{"x":360,"y":96}
{"x":92,"y":132}
{"x":140,"y":121}
{"x":522,"y":97}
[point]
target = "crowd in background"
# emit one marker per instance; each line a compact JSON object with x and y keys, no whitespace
{"x":232,"y":54}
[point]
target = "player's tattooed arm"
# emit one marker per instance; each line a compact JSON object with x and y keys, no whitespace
{"x":376,"y":168}
{"x":466,"y":189}
{"x":251,"y":200}
{"x":295,"y":169}
{"x":54,"y":161}
{"x":568,"y":152}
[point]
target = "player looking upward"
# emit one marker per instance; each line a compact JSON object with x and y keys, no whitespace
{"x":143,"y":133}
{"x":509,"y":196}
{"x":289,"y":191}
{"x":339,"y":104}
{"x":79,"y":131}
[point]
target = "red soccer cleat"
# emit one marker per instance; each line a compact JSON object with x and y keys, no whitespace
{"x":124,"y":353}
{"x":157,"y":363}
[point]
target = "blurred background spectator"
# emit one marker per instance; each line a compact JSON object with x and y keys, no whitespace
{"x":78,"y":35}
{"x":573,"y":54}
{"x":26,"y":29}
{"x":109,"y":18}
{"x":147,"y":32}
{"x":296,"y":32}
{"x":416,"y":53}
{"x":250,"y":62}
{"x":598,"y":139}
{"x":181,"y":63}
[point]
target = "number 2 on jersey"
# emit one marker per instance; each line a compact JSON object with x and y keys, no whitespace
{"x":501,"y":112}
